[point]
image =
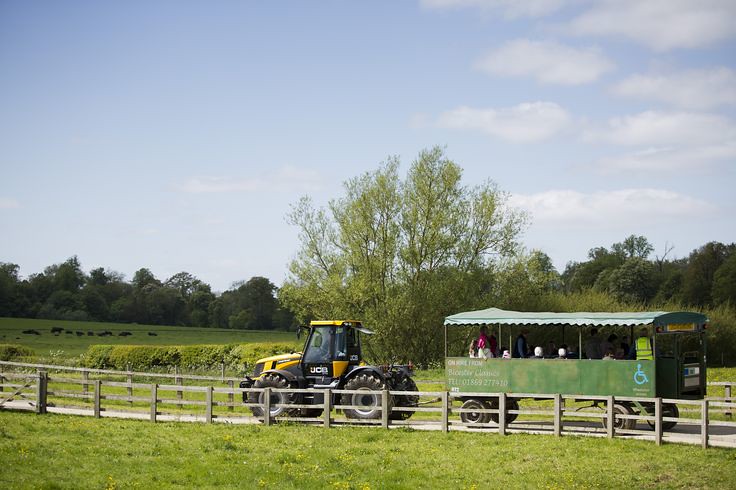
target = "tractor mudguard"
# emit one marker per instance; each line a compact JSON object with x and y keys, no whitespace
{"x":362,"y":369}
{"x":287,"y":375}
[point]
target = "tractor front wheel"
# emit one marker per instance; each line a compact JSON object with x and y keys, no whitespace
{"x":368,"y":404}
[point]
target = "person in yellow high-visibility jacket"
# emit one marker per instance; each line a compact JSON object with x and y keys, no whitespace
{"x":643,"y":344}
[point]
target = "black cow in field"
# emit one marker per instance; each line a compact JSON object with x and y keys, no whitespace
{"x":56,"y":330}
{"x":31,"y":332}
{"x":152,"y":334}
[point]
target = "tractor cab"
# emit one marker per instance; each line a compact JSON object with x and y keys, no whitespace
{"x":330,"y":350}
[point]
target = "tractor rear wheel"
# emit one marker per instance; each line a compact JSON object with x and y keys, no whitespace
{"x":368,"y":404}
{"x":272,"y":380}
{"x":406,"y":384}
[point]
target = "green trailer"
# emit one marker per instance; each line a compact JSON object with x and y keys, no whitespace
{"x":677,"y":370}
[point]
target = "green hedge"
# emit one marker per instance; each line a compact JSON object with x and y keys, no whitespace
{"x":10,"y":352}
{"x":189,"y":357}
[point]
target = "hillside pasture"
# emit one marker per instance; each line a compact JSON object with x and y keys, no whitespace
{"x":70,"y":338}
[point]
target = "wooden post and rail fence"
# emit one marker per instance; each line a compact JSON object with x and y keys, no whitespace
{"x":32,"y":387}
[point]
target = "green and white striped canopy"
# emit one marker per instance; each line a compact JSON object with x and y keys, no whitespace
{"x":495,"y":316}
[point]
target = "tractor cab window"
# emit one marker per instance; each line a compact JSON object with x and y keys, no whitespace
{"x":340,"y":344}
{"x":353,"y":346}
{"x":318,"y":348}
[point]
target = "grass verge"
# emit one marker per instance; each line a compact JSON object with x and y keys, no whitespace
{"x":54,"y":451}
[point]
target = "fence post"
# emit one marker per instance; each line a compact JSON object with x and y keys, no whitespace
{"x":445,"y":411}
{"x":267,"y":406}
{"x":727,"y":397}
{"x":502,"y":414}
{"x":231,"y":396}
{"x":98,"y":388}
{"x":610,"y":417}
{"x":41,"y":390}
{"x":658,"y":421}
{"x":222,"y":370}
{"x":85,"y":378}
{"x":327,"y":408}
{"x":208,"y":405}
{"x":130,"y":387}
{"x":384,"y":409}
{"x":704,"y":423}
{"x":558,"y":414}
{"x":178,"y":382}
{"x":154,"y":402}
{"x":2,"y":380}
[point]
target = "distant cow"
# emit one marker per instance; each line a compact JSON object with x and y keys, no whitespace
{"x":152,"y":334}
{"x":56,"y":330}
{"x":31,"y":332}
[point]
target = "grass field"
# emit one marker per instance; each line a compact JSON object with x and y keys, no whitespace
{"x":54,"y":451}
{"x":65,"y":345}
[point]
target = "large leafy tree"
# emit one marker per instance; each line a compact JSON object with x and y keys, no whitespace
{"x":700,"y":273}
{"x":401,"y":254}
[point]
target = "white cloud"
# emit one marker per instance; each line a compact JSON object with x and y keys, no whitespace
{"x":510,"y":8}
{"x":290,"y":179}
{"x":692,"y":89}
{"x":548,"y":62}
{"x":8,"y":203}
{"x":669,"y":159}
{"x":573,"y":210}
{"x":524,"y":123}
{"x":660,"y":24}
{"x":653,"y":128}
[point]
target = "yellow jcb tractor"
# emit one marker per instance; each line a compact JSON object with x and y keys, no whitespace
{"x":331,"y":358}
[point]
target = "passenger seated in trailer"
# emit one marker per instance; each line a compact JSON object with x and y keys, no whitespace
{"x":473,"y":349}
{"x":551,"y":351}
{"x":608,"y":344}
{"x":592,"y":346}
{"x":609,"y":355}
{"x":561,"y":353}
{"x":538,"y":352}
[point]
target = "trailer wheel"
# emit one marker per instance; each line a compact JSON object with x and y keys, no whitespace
{"x":510,"y":405}
{"x":622,"y":424}
{"x":475,"y":417}
{"x":369,"y":404}
{"x":668,"y":410}
{"x":277,"y":397}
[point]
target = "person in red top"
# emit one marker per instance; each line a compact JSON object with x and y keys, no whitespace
{"x":486,"y":345}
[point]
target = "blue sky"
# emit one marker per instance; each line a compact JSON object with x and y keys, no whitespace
{"x":174,"y":135}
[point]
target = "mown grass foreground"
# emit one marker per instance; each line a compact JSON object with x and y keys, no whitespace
{"x":54,"y":451}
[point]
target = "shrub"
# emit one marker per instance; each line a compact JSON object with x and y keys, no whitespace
{"x":9,"y":352}
{"x":190,"y":357}
{"x":97,"y":356}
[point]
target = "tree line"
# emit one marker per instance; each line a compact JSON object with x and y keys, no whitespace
{"x":64,"y":292}
{"x":402,"y":253}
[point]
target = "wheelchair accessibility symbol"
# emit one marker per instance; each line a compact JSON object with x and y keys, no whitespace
{"x":639,"y":376}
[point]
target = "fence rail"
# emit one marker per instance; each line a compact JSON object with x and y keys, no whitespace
{"x":555,"y":414}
